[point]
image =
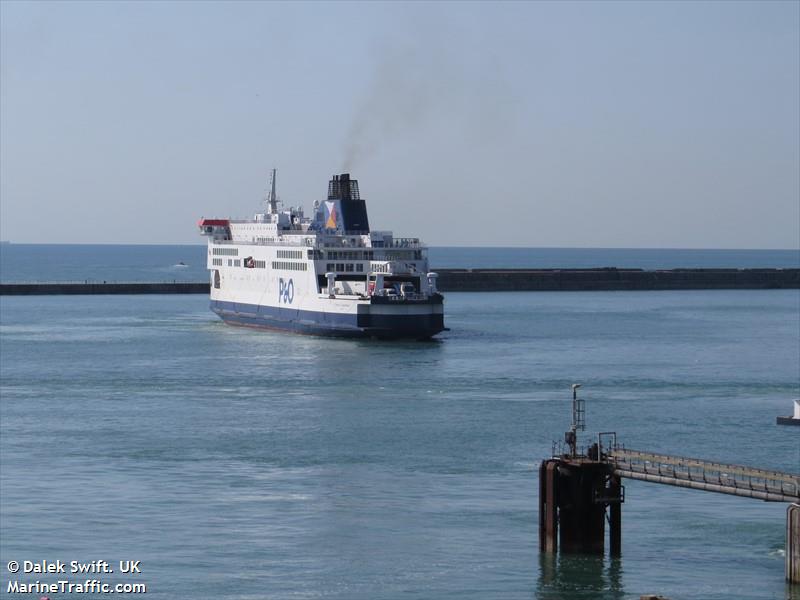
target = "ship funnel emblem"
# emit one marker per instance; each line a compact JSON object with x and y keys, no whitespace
{"x":330,"y":215}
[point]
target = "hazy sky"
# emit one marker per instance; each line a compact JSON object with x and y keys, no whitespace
{"x":631,"y":124}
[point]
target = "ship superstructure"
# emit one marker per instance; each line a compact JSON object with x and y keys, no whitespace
{"x":327,"y":274}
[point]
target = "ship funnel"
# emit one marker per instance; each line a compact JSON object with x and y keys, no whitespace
{"x":341,"y":187}
{"x":345,"y":211}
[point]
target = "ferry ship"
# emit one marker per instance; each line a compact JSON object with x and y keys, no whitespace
{"x":328,"y":274}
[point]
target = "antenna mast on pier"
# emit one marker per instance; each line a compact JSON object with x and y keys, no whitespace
{"x":578,"y":421}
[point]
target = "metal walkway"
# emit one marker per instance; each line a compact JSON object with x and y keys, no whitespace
{"x":772,"y":486}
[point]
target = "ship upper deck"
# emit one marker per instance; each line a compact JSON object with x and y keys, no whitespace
{"x":340,"y":222}
{"x":310,"y":239}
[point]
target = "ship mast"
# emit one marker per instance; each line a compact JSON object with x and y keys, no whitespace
{"x":272,"y":200}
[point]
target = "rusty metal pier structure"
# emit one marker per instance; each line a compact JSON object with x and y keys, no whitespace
{"x":737,"y":480}
{"x":579,"y":492}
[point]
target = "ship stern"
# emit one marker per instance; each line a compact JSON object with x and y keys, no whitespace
{"x":401,"y":318}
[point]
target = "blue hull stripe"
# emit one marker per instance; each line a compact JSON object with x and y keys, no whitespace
{"x":331,"y":324}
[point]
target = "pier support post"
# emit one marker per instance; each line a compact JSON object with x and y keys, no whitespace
{"x":548,"y":515}
{"x":793,"y":543}
{"x":615,"y":516}
{"x":573,"y":495}
{"x":582,"y":515}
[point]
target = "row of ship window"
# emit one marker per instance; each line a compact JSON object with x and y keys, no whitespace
{"x":332,"y":254}
{"x":217,"y":262}
{"x":290,"y":266}
{"x":345,"y":267}
{"x":370,"y":255}
{"x":249,"y":263}
{"x":296,"y":254}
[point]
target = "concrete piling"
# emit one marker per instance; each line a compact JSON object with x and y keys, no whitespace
{"x":793,"y":543}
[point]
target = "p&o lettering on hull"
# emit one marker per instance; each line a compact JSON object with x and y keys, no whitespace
{"x":285,"y":291}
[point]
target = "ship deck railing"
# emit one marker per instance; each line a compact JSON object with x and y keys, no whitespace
{"x":416,"y":296}
{"x":285,"y":242}
{"x":310,"y":242}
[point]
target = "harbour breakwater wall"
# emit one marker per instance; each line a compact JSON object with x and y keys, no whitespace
{"x":55,"y":288}
{"x":492,"y":280}
{"x":611,"y":279}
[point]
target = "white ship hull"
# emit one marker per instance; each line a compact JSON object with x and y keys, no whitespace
{"x":289,"y":300}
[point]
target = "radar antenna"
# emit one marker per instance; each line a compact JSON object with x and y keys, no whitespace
{"x":272,"y":200}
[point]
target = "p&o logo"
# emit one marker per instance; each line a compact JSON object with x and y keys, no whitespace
{"x":285,"y":291}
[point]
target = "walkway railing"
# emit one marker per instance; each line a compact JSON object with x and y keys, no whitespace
{"x":737,"y":480}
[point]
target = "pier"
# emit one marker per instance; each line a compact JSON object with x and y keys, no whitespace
{"x":737,"y":480}
{"x":580,"y":491}
{"x":489,"y":280}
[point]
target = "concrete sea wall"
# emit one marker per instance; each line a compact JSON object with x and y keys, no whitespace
{"x":26,"y":289}
{"x":495,"y":280}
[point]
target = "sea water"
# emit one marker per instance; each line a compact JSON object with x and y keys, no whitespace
{"x":243,"y":464}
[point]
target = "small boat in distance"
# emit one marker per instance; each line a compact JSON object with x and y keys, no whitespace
{"x":328,"y":274}
{"x":794,"y":419}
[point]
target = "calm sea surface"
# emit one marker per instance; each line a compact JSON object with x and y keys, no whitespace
{"x":239,"y":464}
